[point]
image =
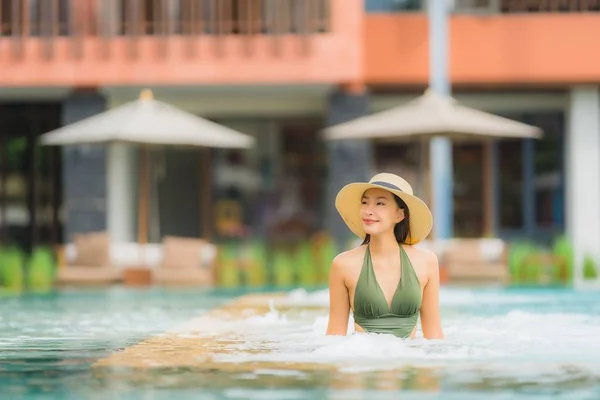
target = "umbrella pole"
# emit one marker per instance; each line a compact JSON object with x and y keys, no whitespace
{"x":156,"y":172}
{"x":488,"y":189}
{"x":143,"y":202}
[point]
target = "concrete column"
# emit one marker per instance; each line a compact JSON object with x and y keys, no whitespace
{"x":84,"y":171}
{"x":583,"y":175}
{"x":349,"y":160}
{"x":440,"y":148}
{"x":122,"y":183}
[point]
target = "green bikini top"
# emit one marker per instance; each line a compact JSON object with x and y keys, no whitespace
{"x":371,"y":311}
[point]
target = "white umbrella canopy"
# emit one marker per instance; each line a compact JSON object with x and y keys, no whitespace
{"x":148,"y":121}
{"x":431,"y":115}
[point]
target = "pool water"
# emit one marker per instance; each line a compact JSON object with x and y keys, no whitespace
{"x":500,"y":344}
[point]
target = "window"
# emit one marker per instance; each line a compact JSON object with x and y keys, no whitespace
{"x":545,"y":189}
{"x":468,"y":190}
{"x":510,"y":174}
{"x":548,"y":167}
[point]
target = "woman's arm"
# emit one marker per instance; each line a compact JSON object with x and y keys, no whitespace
{"x":430,"y":308}
{"x":339,"y":302}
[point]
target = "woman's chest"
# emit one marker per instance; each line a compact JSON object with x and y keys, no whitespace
{"x":386,"y":283}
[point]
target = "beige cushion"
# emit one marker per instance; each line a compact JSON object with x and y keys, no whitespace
{"x":92,"y":249}
{"x":476,"y":259}
{"x":182,"y":253}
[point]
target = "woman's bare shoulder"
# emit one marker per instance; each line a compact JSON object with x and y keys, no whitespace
{"x":349,"y":258}
{"x":422,"y":257}
{"x":423,"y":253}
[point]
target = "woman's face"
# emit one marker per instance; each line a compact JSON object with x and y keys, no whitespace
{"x":379,"y":211}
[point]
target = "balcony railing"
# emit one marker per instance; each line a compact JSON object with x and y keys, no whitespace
{"x":159,"y":17}
{"x":78,"y":19}
{"x":489,"y":6}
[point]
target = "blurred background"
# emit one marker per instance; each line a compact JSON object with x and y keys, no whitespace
{"x":524,"y":210}
{"x":161,"y":158}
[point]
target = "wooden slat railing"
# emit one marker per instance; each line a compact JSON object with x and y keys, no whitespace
{"x":134,"y":19}
{"x":162,"y":17}
{"x":490,"y":6}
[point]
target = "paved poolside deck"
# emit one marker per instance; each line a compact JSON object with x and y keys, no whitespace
{"x":194,"y":344}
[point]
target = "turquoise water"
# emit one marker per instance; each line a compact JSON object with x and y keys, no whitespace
{"x":501,"y":344}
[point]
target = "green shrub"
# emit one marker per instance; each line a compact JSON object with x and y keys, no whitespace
{"x":255,"y":261}
{"x":229,"y":271}
{"x":305,"y":267}
{"x":283,"y":271}
{"x":12,"y":262}
{"x":563,"y":248}
{"x":324,"y":254}
{"x":42,"y":270}
{"x":589,"y":268}
{"x":520,"y":272}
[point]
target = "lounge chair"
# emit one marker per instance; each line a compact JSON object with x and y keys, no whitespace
{"x":90,"y":263}
{"x":476,"y":260}
{"x":186,"y":261}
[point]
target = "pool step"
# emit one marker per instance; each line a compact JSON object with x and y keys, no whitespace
{"x":195,"y":344}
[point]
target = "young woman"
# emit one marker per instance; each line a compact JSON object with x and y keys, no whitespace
{"x":386,"y":282}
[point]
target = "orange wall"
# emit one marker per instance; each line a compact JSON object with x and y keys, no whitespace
{"x":332,"y":58}
{"x":501,"y":49}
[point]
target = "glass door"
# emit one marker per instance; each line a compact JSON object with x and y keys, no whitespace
{"x":469,"y":204}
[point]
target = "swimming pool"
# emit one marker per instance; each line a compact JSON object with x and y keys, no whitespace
{"x":501,"y":344}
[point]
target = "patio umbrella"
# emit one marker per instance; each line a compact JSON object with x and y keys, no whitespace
{"x":431,"y":115}
{"x":148,"y":122}
{"x":434,"y":115}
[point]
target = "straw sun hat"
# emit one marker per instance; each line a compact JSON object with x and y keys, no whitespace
{"x":348,"y":203}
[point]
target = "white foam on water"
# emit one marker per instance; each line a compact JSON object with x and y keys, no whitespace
{"x":278,"y":372}
{"x":493,"y":343}
{"x":303,"y":297}
{"x":263,"y":394}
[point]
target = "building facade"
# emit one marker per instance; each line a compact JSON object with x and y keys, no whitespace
{"x":281,"y":71}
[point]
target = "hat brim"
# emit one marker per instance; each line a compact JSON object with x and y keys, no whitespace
{"x":348,"y":203}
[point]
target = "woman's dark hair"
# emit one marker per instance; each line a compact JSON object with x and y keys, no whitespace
{"x":402,"y":228}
